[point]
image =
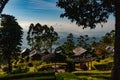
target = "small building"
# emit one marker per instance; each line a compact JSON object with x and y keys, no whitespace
{"x":109,"y":49}
{"x":54,"y":57}
{"x":35,"y":55}
{"x":25,"y":52}
{"x":82,"y":56}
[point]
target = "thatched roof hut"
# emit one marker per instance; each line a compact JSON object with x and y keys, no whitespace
{"x":54,"y":57}
{"x":81,"y":55}
{"x":25,"y":52}
{"x":78,"y":51}
{"x":35,"y":55}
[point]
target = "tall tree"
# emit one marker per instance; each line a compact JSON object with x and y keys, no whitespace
{"x":89,"y":13}
{"x":2,"y":4}
{"x":10,"y":37}
{"x":83,"y":41}
{"x":108,"y":39}
{"x":68,"y":46}
{"x":41,"y":37}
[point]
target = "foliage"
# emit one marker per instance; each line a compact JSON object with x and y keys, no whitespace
{"x":19,"y":69}
{"x":2,"y":4}
{"x":41,"y":75}
{"x":68,"y":46}
{"x":5,"y":69}
{"x":100,"y":51}
{"x":93,"y":75}
{"x":10,"y":34}
{"x":30,"y":64}
{"x":107,"y":66}
{"x":109,"y":38}
{"x":83,"y":41}
{"x":67,"y":76}
{"x":70,"y":65}
{"x":10,"y":37}
{"x":87,"y":13}
{"x":41,"y":37}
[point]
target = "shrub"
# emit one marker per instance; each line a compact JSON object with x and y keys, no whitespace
{"x":70,"y":65}
{"x":5,"y":69}
{"x":20,"y":70}
{"x":101,"y":66}
{"x":107,"y":66}
{"x":30,"y":64}
{"x":59,"y":77}
{"x":20,"y":76}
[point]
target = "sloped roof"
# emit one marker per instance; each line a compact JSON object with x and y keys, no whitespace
{"x":54,"y":57}
{"x":26,"y":50}
{"x":109,"y":49}
{"x":34,"y":52}
{"x":79,"y":50}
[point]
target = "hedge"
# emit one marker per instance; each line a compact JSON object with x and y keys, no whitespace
{"x":28,"y":75}
{"x":107,"y":66}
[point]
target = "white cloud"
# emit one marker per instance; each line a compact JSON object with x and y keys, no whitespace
{"x":43,"y":4}
{"x":67,"y":27}
{"x":73,"y":28}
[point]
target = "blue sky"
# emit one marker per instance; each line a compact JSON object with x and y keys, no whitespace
{"x":46,"y":12}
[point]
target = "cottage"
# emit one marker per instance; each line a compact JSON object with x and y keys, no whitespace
{"x":82,"y":56}
{"x":35,"y":55}
{"x":110,"y":49}
{"x":25,"y":52}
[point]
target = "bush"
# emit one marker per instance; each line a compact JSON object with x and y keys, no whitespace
{"x":70,"y":65}
{"x":107,"y":66}
{"x":5,"y":69}
{"x":30,"y":64}
{"x":20,"y":70}
{"x":67,"y":76}
{"x":45,"y":74}
{"x":101,"y":66}
{"x":59,"y":77}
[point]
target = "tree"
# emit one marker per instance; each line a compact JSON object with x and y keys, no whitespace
{"x":108,"y":39}
{"x":41,"y":37}
{"x":100,"y":51}
{"x":83,"y":41}
{"x":2,"y":4}
{"x":94,"y":42}
{"x":10,"y":38}
{"x":68,"y":46}
{"x":89,"y":13}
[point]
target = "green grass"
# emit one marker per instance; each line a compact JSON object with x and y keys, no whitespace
{"x":44,"y":75}
{"x":69,"y":76}
{"x":85,"y":75}
{"x":38,"y":78}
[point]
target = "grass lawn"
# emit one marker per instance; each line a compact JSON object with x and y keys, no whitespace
{"x":85,"y":75}
{"x":38,"y":78}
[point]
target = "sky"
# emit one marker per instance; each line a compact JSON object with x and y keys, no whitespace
{"x":46,"y":12}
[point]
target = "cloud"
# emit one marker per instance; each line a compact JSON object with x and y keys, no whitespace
{"x":43,"y":4}
{"x":68,"y":27}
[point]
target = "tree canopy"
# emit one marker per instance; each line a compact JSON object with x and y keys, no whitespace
{"x":69,"y":45}
{"x":87,"y":13}
{"x":41,"y":37}
{"x":2,"y":4}
{"x":10,"y":37}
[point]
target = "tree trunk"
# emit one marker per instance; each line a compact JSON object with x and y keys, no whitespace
{"x":9,"y":65}
{"x":116,"y":68}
